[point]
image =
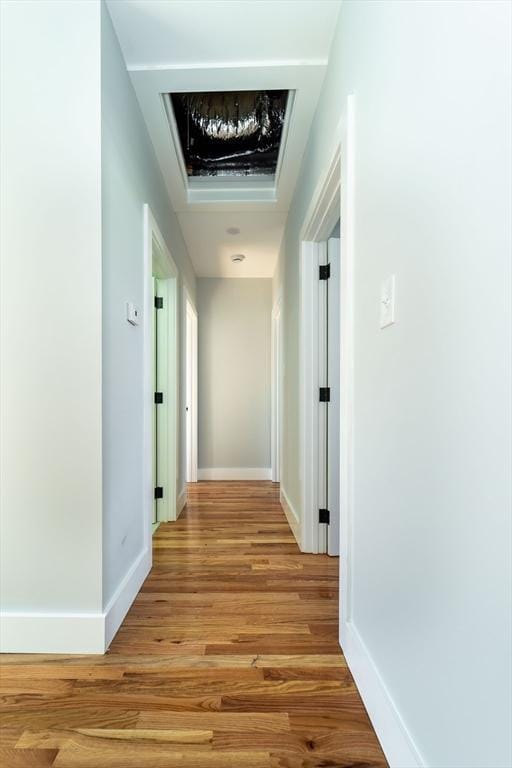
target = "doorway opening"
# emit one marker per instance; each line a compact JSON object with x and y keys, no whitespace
{"x":329,"y":395}
{"x":191,"y":390}
{"x":320,"y":366}
{"x":161,"y":385}
{"x":277,"y":368}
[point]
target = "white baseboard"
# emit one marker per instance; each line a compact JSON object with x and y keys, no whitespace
{"x":396,"y":741}
{"x":180,"y":502}
{"x":291,"y":515}
{"x":234,"y":473}
{"x":67,"y":633}
{"x":73,"y":633}
{"x":125,"y":594}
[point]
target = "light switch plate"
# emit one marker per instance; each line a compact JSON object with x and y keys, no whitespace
{"x":387,"y":302}
{"x":132,"y":313}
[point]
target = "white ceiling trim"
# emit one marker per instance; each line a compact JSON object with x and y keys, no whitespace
{"x":230,"y":65}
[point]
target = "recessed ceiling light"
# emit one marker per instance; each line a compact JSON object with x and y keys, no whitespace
{"x":233,"y":231}
{"x":237,"y":257}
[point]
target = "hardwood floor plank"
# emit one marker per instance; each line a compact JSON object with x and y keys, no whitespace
{"x":225,"y":722}
{"x":94,"y":738}
{"x":9,"y":737}
{"x":287,"y":761}
{"x":228,"y":658}
{"x":126,"y":756}
{"x":27,"y":758}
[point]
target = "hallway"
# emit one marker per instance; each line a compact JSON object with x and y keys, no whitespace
{"x":228,"y":657}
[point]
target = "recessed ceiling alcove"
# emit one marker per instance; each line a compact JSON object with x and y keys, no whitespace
{"x":230,"y":133}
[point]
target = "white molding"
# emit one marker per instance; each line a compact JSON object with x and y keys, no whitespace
{"x":181,"y":501}
{"x":119,"y":604}
{"x":73,"y":633}
{"x":291,"y":516}
{"x":276,"y":391}
{"x":395,"y":740}
{"x":67,"y":633}
{"x":347,"y":365}
{"x":191,"y":387}
{"x":314,"y":62}
{"x":161,"y":259}
{"x":147,"y":385}
{"x":323,"y":212}
{"x":235,"y":473}
{"x":324,"y":208}
{"x":308,"y":388}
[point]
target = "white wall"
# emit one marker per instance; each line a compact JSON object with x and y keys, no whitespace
{"x":77,"y":168}
{"x":234,"y":373}
{"x":50,"y":310}
{"x":130,"y":178}
{"x":430,"y":567}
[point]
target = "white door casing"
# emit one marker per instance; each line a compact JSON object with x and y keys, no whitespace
{"x":276,"y":384}
{"x":191,"y":403}
{"x":334,"y":478}
{"x":158,"y":262}
{"x":320,"y":220}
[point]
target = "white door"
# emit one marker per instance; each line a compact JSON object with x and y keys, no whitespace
{"x":154,"y":380}
{"x":333,"y":408}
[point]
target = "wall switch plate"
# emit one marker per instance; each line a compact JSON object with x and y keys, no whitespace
{"x":387,"y":302}
{"x":132,"y":313}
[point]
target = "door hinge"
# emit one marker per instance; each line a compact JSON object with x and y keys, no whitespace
{"x":159,"y":398}
{"x":159,"y":302}
{"x":159,"y":492}
{"x":325,"y":394}
{"x":324,"y":271}
{"x":324,"y":516}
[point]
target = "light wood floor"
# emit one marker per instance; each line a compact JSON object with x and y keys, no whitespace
{"x":227,"y":659}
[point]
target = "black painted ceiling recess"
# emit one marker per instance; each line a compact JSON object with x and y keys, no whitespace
{"x":230,"y":133}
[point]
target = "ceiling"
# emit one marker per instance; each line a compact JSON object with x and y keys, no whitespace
{"x":221,"y":45}
{"x":259,"y":239}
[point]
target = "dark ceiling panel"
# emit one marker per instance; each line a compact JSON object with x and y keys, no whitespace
{"x":230,"y":133}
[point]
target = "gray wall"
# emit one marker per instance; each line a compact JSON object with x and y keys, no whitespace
{"x":130,"y":178}
{"x":431,"y":534}
{"x":234,"y":372}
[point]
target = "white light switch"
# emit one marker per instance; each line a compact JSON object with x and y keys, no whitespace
{"x":132,"y":313}
{"x":387,"y":302}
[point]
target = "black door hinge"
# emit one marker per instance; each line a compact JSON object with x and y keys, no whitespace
{"x":324,"y":271}
{"x":324,"y":516}
{"x":159,"y":492}
{"x":159,"y":398}
{"x":325,"y":394}
{"x":159,"y":302}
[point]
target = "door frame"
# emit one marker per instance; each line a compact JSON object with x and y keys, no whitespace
{"x":347,"y":259}
{"x":191,"y":370}
{"x":276,"y":391}
{"x":159,"y":262}
{"x":322,"y":215}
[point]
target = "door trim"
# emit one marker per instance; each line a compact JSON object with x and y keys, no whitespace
{"x":158,"y":261}
{"x":276,"y":390}
{"x":322,"y":215}
{"x":191,"y":377}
